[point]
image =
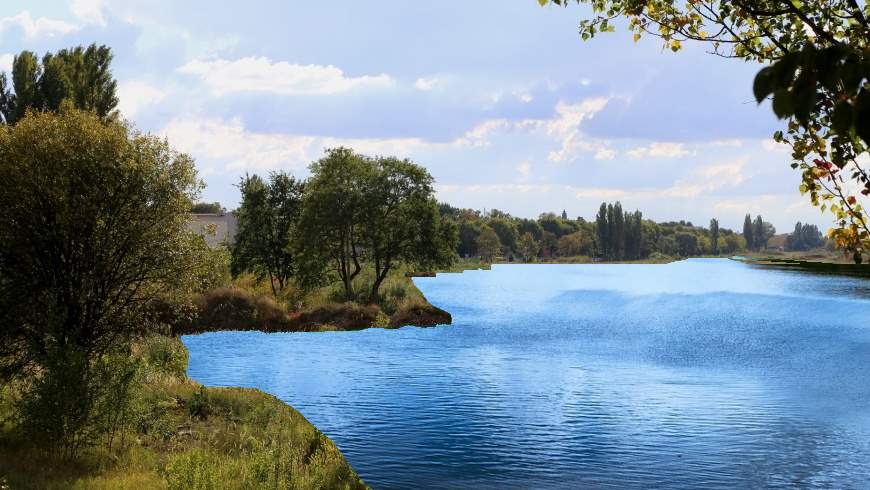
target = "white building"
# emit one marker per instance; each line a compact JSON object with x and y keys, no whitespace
{"x":216,"y":228}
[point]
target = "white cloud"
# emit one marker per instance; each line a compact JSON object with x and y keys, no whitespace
{"x":660,"y":150}
{"x":6,"y":62}
{"x":736,"y":143}
{"x":136,"y":95}
{"x":523,"y":97}
{"x":36,"y":28}
{"x":261,"y":74}
{"x":525,"y":170}
{"x":89,"y":11}
{"x":709,"y":179}
{"x":566,"y":127}
{"x":232,"y":147}
{"x":426,"y":84}
{"x":605,"y":154}
{"x":208,"y":140}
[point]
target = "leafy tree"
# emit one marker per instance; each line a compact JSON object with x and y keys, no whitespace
{"x":817,"y":73}
{"x":78,"y":76}
{"x":488,"y":244}
{"x":601,"y":231}
{"x":564,"y":215}
{"x":749,"y":232}
{"x":577,"y":243}
{"x":506,"y":231}
{"x":328,"y":237}
{"x":379,"y":212}
{"x":468,"y":233}
{"x":400,"y":222}
{"x":94,"y":227}
{"x":528,"y":247}
{"x":267,"y":218}
{"x":687,"y":244}
{"x":804,"y":237}
{"x":530,"y":226}
{"x":714,"y":236}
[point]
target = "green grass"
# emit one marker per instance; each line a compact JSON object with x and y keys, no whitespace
{"x":184,"y":436}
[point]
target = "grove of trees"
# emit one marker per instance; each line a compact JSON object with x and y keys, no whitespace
{"x":614,"y":235}
{"x":354,"y":212}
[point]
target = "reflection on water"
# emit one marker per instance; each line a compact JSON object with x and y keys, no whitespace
{"x":699,"y":373}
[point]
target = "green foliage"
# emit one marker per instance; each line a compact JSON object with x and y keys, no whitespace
{"x":94,"y":228}
{"x":79,"y":77}
{"x":804,"y":237}
{"x":377,"y":212}
{"x":267,"y":219}
{"x":714,"y":236}
{"x":488,"y":244}
{"x":818,"y":76}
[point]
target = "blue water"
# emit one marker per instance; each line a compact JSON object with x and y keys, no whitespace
{"x":702,"y":373}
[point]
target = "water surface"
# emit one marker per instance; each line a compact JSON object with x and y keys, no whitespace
{"x":704,"y":372}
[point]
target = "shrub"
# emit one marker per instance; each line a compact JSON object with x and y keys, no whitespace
{"x":236,"y":309}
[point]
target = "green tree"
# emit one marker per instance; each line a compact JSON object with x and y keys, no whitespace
{"x":817,"y":73}
{"x":602,"y":231}
{"x":758,"y":235}
{"x":714,"y":236}
{"x":400,"y":220}
{"x":79,"y":76}
{"x":94,"y":227}
{"x":328,"y":237}
{"x":575,"y":244}
{"x":506,"y":231}
{"x":488,"y":244}
{"x":528,"y":247}
{"x":749,"y":232}
{"x":687,"y":244}
{"x":267,"y":218}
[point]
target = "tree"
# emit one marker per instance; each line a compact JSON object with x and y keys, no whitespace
{"x":804,"y":237}
{"x":817,"y":75}
{"x":468,"y":233}
{"x":93,"y":227}
{"x":564,"y":215}
{"x":79,"y":76}
{"x":528,"y":247}
{"x":400,"y":220}
{"x":602,"y":232}
{"x":506,"y":231}
{"x":714,"y":236}
{"x":575,"y":244}
{"x":267,"y":217}
{"x":328,"y":237}
{"x":687,"y":244}
{"x":749,"y":232}
{"x":379,"y":212}
{"x":488,"y":244}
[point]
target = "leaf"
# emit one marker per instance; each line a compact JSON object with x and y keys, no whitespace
{"x":763,"y":85}
{"x":783,"y":105}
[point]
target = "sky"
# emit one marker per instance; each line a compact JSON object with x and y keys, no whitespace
{"x":500,"y":100}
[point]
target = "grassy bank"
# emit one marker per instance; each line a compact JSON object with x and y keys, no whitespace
{"x":181,"y":435}
{"x":249,"y":303}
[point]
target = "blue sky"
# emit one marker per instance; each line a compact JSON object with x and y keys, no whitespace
{"x":499,"y":99}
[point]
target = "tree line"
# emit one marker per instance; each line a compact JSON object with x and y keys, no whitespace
{"x":614,"y":235}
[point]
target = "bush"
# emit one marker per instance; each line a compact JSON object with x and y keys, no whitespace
{"x":236,"y":309}
{"x":345,"y":316}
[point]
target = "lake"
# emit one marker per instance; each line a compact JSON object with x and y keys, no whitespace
{"x":701,"y":373}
